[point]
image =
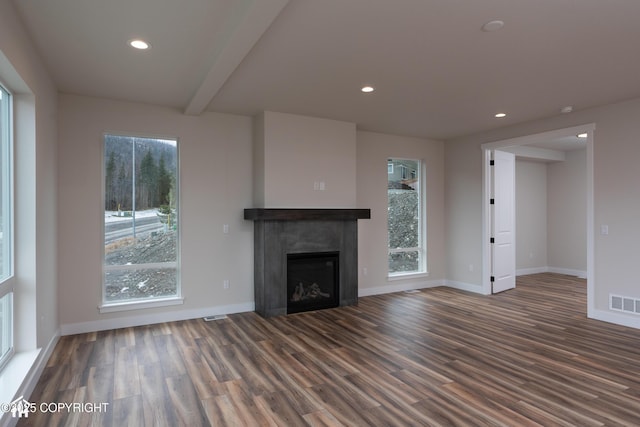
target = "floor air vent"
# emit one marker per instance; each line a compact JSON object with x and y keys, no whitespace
{"x":215,"y":317}
{"x":625,"y":304}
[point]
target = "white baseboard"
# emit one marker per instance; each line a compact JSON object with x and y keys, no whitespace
{"x":39,"y":365}
{"x":532,"y":270}
{"x":400,"y":286}
{"x":632,"y":321}
{"x":150,"y":319}
{"x":568,"y":271}
{"x":469,"y":287}
{"x":25,"y":376}
{"x":547,"y":269}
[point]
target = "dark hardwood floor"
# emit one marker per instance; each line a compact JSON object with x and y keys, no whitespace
{"x":528,"y":356}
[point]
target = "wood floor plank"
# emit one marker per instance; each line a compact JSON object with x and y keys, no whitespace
{"x":129,"y":412}
{"x":204,"y":380}
{"x":436,"y":357}
{"x":169,"y":355}
{"x":155,"y":396}
{"x":100,"y":384}
{"x":236,"y":407}
{"x":184,"y":401}
{"x":125,"y":371}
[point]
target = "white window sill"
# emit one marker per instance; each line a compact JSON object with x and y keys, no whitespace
{"x":14,"y":373}
{"x":404,"y":276}
{"x":140,"y":305}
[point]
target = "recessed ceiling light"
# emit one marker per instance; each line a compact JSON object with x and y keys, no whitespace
{"x":501,"y":115}
{"x":367,"y":89}
{"x":493,"y":26}
{"x":582,"y":135}
{"x":139,"y":44}
{"x":566,"y":109}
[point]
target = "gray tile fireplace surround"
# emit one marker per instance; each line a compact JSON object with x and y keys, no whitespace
{"x":280,"y":232}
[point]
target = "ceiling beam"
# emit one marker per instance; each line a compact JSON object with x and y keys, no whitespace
{"x":251,"y":19}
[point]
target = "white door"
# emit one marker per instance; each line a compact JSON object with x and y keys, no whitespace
{"x":503,"y":249}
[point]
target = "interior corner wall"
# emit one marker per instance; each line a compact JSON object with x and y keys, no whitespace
{"x":531,"y":216}
{"x":567,"y":213}
{"x":374,"y":149}
{"x":215,"y":155}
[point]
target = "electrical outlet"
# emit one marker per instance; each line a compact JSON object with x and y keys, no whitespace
{"x":225,"y":228}
{"x":225,"y":284}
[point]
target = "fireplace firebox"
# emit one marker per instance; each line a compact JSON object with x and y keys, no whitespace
{"x":312,"y":281}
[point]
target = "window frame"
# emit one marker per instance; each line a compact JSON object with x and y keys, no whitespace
{"x":421,"y":249}
{"x":7,"y":281}
{"x":108,"y":306}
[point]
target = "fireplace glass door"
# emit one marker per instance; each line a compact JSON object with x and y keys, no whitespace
{"x":312,"y":281}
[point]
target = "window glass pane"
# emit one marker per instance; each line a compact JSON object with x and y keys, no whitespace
{"x":6,"y":230}
{"x":5,"y":185}
{"x":141,"y":218}
{"x":404,"y":262}
{"x":404,"y":216}
{"x":6,"y":327}
{"x":127,"y":284}
{"x":404,"y":219}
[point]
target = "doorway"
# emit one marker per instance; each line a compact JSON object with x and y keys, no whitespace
{"x":522,"y":142}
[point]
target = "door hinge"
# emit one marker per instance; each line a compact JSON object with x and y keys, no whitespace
{"x":492,"y":240}
{"x":492,"y":162}
{"x":493,"y":279}
{"x":492,"y":201}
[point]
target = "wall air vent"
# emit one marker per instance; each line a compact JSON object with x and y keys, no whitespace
{"x":624,"y":304}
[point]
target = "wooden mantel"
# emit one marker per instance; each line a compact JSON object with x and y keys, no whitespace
{"x":285,"y":214}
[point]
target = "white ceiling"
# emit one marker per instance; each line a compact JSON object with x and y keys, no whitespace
{"x":436,"y":73}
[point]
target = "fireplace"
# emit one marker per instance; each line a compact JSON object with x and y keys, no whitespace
{"x":282,"y":235}
{"x":312,"y":281}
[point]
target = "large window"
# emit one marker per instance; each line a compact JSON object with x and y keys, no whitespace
{"x":405,"y":217}
{"x":140,"y":219}
{"x":6,"y":229}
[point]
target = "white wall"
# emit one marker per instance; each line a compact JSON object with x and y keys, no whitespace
{"x":567,"y":213}
{"x":215,"y":187}
{"x":531,"y":216}
{"x":302,"y":155}
{"x":372,"y":153}
{"x":463,"y":212}
{"x":551,"y":215}
{"x":616,"y":199}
